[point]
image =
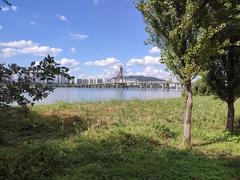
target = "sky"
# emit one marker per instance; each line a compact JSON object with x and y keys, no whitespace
{"x":90,"y":37}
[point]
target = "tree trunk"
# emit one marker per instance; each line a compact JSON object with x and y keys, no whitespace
{"x":231,"y":63}
{"x":230,"y":116}
{"x":187,"y":116}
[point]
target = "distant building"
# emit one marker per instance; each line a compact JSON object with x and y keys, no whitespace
{"x":91,"y":81}
{"x":80,"y":81}
{"x":85,"y":81}
{"x":60,"y":80}
{"x":99,"y":81}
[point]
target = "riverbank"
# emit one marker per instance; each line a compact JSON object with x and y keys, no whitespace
{"x":118,"y":140}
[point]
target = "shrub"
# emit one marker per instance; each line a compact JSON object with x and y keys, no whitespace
{"x":163,"y":131}
{"x":35,"y":162}
{"x":201,"y":88}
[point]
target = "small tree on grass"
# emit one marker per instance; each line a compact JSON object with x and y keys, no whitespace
{"x":224,"y":80}
{"x":181,"y":29}
{"x":224,"y":69}
{"x":23,"y":85}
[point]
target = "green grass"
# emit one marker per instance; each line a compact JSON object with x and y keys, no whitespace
{"x":118,"y":140}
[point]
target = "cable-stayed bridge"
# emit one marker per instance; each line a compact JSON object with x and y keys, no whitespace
{"x":119,"y":82}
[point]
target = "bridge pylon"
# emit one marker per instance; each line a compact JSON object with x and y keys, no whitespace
{"x":120,"y":78}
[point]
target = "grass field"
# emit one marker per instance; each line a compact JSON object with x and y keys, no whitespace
{"x":118,"y":140}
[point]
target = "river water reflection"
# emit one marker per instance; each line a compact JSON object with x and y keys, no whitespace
{"x":82,"y":95}
{"x":85,"y":95}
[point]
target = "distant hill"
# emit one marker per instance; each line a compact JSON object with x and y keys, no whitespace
{"x":140,"y":78}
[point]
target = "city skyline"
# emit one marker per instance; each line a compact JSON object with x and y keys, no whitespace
{"x":92,"y":37}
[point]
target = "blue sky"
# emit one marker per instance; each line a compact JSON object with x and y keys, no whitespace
{"x":91,"y":37}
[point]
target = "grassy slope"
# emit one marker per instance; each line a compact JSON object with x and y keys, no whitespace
{"x":118,"y":140}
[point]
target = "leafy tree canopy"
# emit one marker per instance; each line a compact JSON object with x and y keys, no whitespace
{"x":23,"y":85}
{"x":224,"y":68}
{"x":183,"y":30}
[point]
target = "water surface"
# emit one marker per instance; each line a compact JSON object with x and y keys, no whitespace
{"x":85,"y":95}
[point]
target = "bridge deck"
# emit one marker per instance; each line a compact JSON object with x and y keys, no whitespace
{"x":164,"y":85}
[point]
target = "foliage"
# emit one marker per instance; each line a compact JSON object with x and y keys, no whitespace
{"x":16,"y":82}
{"x":182,"y":30}
{"x":223,"y":136}
{"x":163,"y":130}
{"x":224,"y":68}
{"x":141,"y":78}
{"x":201,"y":88}
{"x":117,"y":140}
{"x":223,"y":75}
{"x":6,"y":2}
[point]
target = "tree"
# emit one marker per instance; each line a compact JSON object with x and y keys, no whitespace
{"x":200,"y":87}
{"x":224,"y":70}
{"x":224,"y":80}
{"x":16,"y":82}
{"x":182,"y":31}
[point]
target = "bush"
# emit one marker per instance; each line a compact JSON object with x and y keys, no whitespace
{"x":200,"y":88}
{"x":34,"y":162}
{"x":163,"y":131}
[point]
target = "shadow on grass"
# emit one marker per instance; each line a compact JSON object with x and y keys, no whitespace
{"x":124,"y":156}
{"x":17,"y":126}
{"x":219,"y":140}
{"x":42,"y":153}
{"x":222,"y":139}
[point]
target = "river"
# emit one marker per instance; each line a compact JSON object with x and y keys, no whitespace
{"x":85,"y":95}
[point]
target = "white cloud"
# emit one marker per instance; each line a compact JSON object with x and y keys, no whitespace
{"x":116,"y":67}
{"x":155,"y":50}
{"x":26,"y":47}
{"x":73,"y":50}
{"x":32,"y":22}
{"x":72,"y":64}
{"x":17,"y":44}
{"x":105,"y":62}
{"x":129,"y":70}
{"x":1,"y":27}
{"x":152,"y":72}
{"x":62,"y":18}
{"x":8,"y":52}
{"x":106,"y":75}
{"x":14,"y":8}
{"x":79,"y":36}
{"x":159,"y":73}
{"x":7,"y":8}
{"x":147,"y":60}
{"x":97,"y":1}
